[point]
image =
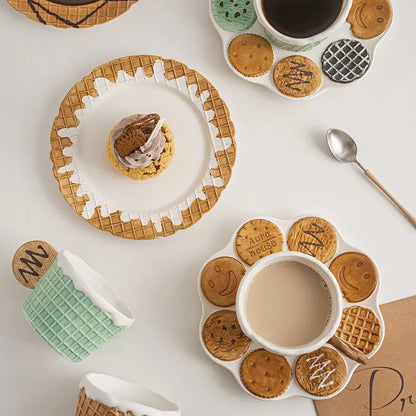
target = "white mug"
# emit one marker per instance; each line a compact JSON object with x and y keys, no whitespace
{"x":326,"y":275}
{"x":101,"y":394}
{"x":300,"y":44}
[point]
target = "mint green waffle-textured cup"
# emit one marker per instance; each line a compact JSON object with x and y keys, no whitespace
{"x":65,"y":317}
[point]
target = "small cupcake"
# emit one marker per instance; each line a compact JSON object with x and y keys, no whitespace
{"x":140,"y":146}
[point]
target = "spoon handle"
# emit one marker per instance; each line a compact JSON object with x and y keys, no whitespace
{"x":406,"y":213}
{"x":347,"y":349}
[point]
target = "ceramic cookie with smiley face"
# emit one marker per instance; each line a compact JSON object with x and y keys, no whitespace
{"x":220,"y":280}
{"x":223,"y":336}
{"x":370,"y":18}
{"x":356,"y":275}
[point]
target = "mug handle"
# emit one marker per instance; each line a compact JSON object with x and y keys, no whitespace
{"x":347,"y":349}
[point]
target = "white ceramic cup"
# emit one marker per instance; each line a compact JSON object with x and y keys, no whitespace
{"x":127,"y":398}
{"x":324,"y":273}
{"x":300,"y":44}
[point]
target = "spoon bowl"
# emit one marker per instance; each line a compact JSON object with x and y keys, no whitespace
{"x":342,"y":145}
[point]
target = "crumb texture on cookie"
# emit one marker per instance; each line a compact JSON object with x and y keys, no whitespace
{"x":251,"y":55}
{"x":223,"y":336}
{"x":265,"y":374}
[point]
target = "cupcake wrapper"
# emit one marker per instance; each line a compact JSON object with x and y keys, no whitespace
{"x":65,"y":317}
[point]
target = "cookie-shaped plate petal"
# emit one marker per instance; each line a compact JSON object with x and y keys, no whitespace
{"x":220,"y":280}
{"x":321,"y":372}
{"x":361,"y":328}
{"x":356,"y":275}
{"x":265,"y":374}
{"x":297,"y":76}
{"x":314,"y":236}
{"x":370,"y":18}
{"x":223,"y":336}
{"x":251,"y":55}
{"x":234,"y":15}
{"x":345,"y":60}
{"x":257,"y":239}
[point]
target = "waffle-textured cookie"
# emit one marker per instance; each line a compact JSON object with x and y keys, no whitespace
{"x":155,"y":168}
{"x":75,"y":14}
{"x":90,"y":407}
{"x":220,"y":280}
{"x":257,"y":239}
{"x":345,"y":60}
{"x":360,"y":327}
{"x":223,"y":336}
{"x":234,"y":15}
{"x":370,"y":18}
{"x":321,"y":372}
{"x":356,"y":275}
{"x":31,"y":261}
{"x":251,"y":55}
{"x":297,"y":76}
{"x":265,"y":374}
{"x":313,"y":236}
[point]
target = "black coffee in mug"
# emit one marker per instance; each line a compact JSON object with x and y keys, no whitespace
{"x":301,"y":18}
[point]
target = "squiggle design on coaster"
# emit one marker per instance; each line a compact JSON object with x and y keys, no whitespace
{"x":318,"y":243}
{"x":222,"y":150}
{"x":319,"y":372}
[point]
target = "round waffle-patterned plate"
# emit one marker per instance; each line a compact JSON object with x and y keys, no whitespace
{"x":361,"y":325}
{"x":72,"y":13}
{"x":342,"y":58}
{"x":200,"y":169}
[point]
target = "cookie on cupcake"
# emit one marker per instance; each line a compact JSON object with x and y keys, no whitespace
{"x":140,"y":146}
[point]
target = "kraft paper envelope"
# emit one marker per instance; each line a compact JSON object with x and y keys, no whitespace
{"x":387,"y":385}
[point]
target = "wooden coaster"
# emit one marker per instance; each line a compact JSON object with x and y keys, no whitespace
{"x":223,"y":336}
{"x":321,"y":372}
{"x":31,"y":261}
{"x":251,"y":55}
{"x":220,"y":280}
{"x":257,"y":239}
{"x":356,"y":275}
{"x":297,"y":76}
{"x":265,"y":374}
{"x":79,"y":14}
{"x":313,"y":236}
{"x":370,"y":18}
{"x":360,"y":327}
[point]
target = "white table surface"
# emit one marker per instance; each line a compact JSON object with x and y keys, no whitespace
{"x":283,"y":169}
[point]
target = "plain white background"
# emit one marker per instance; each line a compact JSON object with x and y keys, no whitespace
{"x":283,"y":169}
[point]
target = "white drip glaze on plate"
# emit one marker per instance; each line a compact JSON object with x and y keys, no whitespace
{"x":127,"y":397}
{"x":95,"y":287}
